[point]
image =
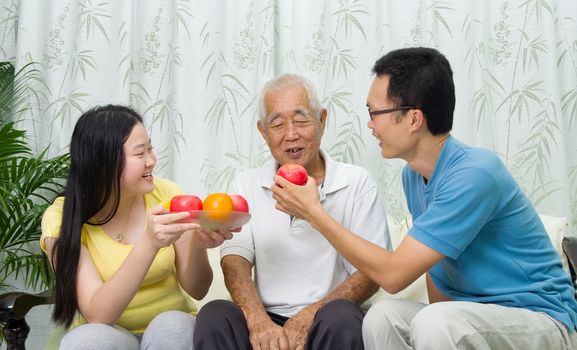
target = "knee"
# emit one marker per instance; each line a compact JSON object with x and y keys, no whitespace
{"x":175,"y":321}
{"x":216,"y":310}
{"x":170,"y":328}
{"x":219,"y":325}
{"x":215,"y":314}
{"x":371,"y":321}
{"x":340,"y":314}
{"x":378,"y":316}
{"x":218,"y":306}
{"x":337,"y":325}
{"x":433,"y":322}
{"x":98,"y":336}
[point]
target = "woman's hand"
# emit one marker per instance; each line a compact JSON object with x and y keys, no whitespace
{"x":162,"y":228}
{"x":192,"y":265}
{"x":204,"y":239}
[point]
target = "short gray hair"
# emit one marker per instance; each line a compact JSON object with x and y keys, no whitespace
{"x":285,"y":81}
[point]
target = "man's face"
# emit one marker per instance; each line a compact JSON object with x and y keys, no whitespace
{"x":292,"y":131}
{"x":390,"y":131}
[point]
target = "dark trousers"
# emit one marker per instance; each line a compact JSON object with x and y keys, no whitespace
{"x":220,"y":325}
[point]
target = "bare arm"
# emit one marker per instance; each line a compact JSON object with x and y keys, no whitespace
{"x":393,"y":271}
{"x":356,"y":288}
{"x":104,"y":302}
{"x":239,"y":282}
{"x":192,"y":265}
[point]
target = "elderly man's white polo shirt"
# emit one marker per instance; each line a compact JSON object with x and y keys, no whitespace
{"x":294,"y":265}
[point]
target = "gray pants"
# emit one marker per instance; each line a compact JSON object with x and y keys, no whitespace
{"x":404,"y":325}
{"x":168,"y":330}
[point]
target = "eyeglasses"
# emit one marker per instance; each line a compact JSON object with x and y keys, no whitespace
{"x":372,"y":114}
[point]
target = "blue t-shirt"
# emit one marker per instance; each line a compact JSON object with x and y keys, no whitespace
{"x":496,"y":248}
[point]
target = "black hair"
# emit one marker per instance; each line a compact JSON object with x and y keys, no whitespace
{"x":96,"y":164}
{"x":421,"y":77}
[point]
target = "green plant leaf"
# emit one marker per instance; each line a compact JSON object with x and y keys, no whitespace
{"x":28,"y":184}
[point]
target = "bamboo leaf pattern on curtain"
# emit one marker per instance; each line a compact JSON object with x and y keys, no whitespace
{"x":194,"y":69}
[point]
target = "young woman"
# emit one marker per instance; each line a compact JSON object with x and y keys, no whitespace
{"x":126,"y":270}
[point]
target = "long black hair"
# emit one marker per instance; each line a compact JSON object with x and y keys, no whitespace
{"x":97,"y":161}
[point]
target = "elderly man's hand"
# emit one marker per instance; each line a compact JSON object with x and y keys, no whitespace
{"x":297,"y":328}
{"x":299,"y":201}
{"x":266,"y":335}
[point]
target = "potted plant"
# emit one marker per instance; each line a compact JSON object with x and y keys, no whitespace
{"x":28,"y":184}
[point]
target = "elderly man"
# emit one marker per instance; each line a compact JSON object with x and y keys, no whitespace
{"x":304,"y":294}
{"x":494,"y":279}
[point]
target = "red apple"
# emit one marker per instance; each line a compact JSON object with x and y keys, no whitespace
{"x":185,"y":202}
{"x":294,"y":173}
{"x":239,"y":203}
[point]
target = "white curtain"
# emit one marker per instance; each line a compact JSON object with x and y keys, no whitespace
{"x":193,"y":69}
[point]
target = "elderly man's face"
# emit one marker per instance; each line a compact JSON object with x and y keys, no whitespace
{"x":292,"y":131}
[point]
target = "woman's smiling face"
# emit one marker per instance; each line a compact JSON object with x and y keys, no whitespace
{"x":139,"y":161}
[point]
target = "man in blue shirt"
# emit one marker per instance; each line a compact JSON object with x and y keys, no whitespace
{"x":493,"y":277}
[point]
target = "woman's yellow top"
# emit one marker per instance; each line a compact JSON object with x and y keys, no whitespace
{"x":158,"y":292}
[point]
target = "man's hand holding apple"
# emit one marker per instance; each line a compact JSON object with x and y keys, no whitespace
{"x":299,"y":201}
{"x":295,"y":173}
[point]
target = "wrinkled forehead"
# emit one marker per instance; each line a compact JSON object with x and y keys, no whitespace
{"x":286,"y":99}
{"x":300,"y":113}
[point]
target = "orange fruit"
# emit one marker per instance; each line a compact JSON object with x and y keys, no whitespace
{"x":218,"y":206}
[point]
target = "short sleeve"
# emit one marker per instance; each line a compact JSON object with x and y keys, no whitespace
{"x":51,"y":221}
{"x":462,"y":205}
